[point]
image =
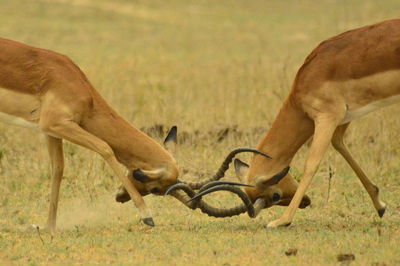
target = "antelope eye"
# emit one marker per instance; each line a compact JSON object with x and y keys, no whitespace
{"x":276,"y":197}
{"x":155,"y":190}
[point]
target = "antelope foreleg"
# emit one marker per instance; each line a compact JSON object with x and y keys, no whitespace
{"x":324,"y":128}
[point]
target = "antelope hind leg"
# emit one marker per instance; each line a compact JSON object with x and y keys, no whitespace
{"x":372,"y":189}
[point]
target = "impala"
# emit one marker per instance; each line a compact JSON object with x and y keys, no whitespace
{"x":344,"y":78}
{"x":46,"y":91}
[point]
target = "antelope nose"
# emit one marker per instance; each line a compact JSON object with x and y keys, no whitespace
{"x":122,"y":196}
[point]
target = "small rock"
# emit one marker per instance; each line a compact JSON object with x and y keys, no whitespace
{"x":291,"y":252}
{"x":346,"y":257}
{"x":378,"y":264}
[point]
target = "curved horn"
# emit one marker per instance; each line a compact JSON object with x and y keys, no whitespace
{"x":208,"y":209}
{"x":182,"y":198}
{"x":225,"y":165}
{"x":252,"y":210}
{"x":242,"y":195}
{"x":276,"y":178}
{"x":217,"y":183}
{"x":180,"y":185}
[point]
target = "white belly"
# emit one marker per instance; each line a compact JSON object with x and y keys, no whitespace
{"x":19,"y":109}
{"x":17,"y":121}
{"x":354,"y":114}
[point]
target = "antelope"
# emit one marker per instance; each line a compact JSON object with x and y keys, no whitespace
{"x":344,"y":78}
{"x":46,"y":91}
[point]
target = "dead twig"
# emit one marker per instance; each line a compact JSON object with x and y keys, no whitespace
{"x":329,"y":182}
{"x":38,"y":232}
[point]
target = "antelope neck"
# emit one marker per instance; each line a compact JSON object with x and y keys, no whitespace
{"x":132,"y":147}
{"x":290,"y":130}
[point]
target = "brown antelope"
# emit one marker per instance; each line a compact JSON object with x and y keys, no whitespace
{"x":46,"y":91}
{"x":344,"y":78}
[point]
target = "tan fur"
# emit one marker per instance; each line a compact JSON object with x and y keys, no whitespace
{"x":45,"y":90}
{"x":344,"y":78}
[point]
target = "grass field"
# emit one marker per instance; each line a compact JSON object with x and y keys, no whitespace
{"x":219,"y":70}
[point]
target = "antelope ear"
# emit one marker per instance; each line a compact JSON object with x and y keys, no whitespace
{"x":241,"y":169}
{"x":171,"y":139}
{"x":140,"y":176}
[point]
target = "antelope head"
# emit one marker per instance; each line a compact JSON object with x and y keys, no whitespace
{"x":153,"y":181}
{"x":275,"y":188}
{"x":265,"y":189}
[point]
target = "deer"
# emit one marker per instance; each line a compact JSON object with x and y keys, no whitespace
{"x":344,"y":78}
{"x":47,"y":92}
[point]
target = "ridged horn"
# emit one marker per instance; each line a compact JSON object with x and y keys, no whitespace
{"x":224,"y":166}
{"x":247,"y":206}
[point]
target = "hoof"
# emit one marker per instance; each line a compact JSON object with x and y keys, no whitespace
{"x":287,"y":225}
{"x":381,"y":212}
{"x":33,"y":227}
{"x":279,"y":223}
{"x":274,"y":227}
{"x":148,"y":221}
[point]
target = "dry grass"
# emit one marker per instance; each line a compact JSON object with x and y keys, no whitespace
{"x":204,"y":66}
